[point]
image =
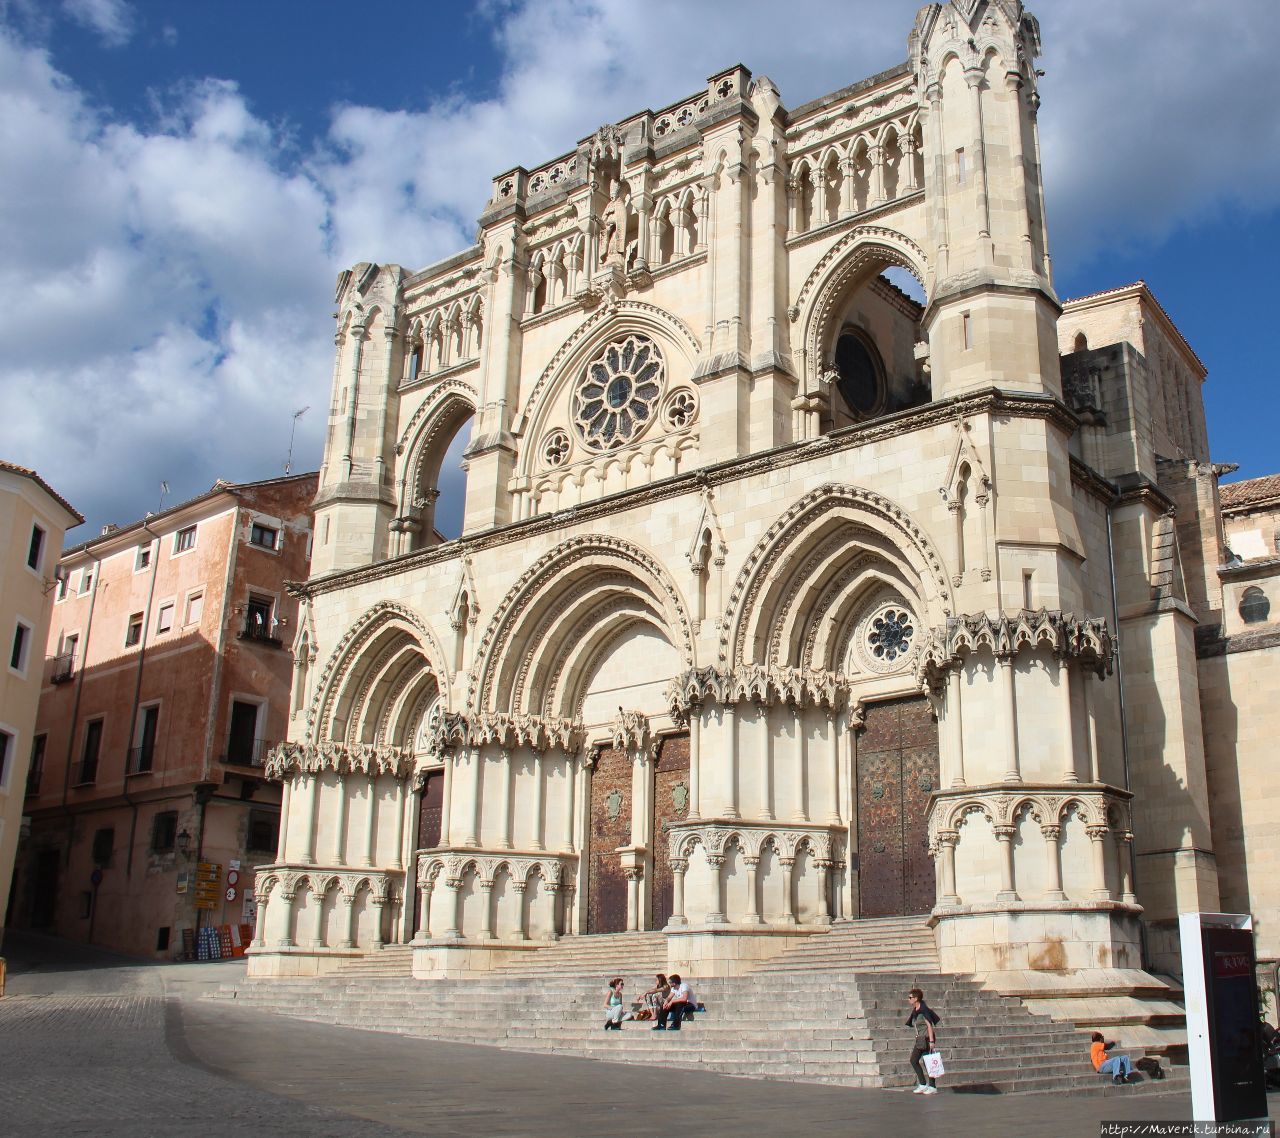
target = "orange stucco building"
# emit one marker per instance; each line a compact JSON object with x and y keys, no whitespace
{"x":168,"y":677}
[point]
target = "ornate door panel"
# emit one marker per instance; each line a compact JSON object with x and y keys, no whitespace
{"x":670,"y":804}
{"x":897,"y":772}
{"x":430,"y":823}
{"x":610,"y":827}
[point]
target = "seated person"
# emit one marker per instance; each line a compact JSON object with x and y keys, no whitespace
{"x":675,"y":1005}
{"x":652,"y":1000}
{"x":1117,"y":1066}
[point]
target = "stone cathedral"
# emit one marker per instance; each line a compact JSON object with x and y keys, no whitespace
{"x":788,"y":592}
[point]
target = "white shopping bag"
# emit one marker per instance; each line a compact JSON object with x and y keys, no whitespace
{"x":933,"y":1065}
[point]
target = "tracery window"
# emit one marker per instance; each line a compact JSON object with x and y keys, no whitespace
{"x":861,"y":374}
{"x":617,"y":396}
{"x":886,"y":638}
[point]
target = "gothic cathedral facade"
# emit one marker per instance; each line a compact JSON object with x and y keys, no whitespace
{"x":784,"y":595}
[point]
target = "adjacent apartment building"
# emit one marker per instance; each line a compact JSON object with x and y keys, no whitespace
{"x":33,"y":521}
{"x":168,"y":676}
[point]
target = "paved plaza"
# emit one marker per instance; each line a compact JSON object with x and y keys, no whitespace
{"x":96,"y":1044}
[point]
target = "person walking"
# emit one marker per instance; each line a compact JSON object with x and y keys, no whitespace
{"x":613,"y":1006}
{"x":924,"y":1019}
{"x":1117,"y":1066}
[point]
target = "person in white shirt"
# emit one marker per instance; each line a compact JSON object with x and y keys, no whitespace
{"x":678,"y":1002}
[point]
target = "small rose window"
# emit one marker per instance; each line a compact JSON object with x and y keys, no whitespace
{"x":889,"y":634}
{"x":616,"y":399}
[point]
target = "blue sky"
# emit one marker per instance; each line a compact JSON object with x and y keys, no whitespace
{"x":182,"y":182}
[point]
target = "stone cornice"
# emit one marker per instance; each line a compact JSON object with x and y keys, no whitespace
{"x":357,"y":758}
{"x":453,"y":731}
{"x":758,"y":683}
{"x":991,"y":401}
{"x":1092,"y":482}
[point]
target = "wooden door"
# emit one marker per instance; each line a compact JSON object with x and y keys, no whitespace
{"x":897,"y":771}
{"x":670,"y":804}
{"x":610,"y":827}
{"x":430,"y":823}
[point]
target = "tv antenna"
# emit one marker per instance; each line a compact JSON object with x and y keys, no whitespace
{"x":288,"y":462}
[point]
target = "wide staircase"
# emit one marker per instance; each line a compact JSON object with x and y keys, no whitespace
{"x":831,"y":1010}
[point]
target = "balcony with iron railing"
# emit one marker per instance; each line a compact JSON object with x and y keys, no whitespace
{"x":248,"y":754}
{"x":62,"y":669}
{"x":141,"y":759}
{"x":260,"y":631}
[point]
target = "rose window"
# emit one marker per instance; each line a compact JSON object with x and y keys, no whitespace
{"x":616,"y":399}
{"x":889,"y":634}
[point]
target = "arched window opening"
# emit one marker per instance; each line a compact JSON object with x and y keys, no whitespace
{"x":802,"y":189}
{"x":301,"y":664}
{"x":665,"y":235}
{"x":1254,"y":606}
{"x":871,"y":357}
{"x":439,"y":497}
{"x":892,"y":160}
{"x":831,"y":181}
{"x":1081,"y":343}
{"x":960,"y":507}
{"x":537,"y":288}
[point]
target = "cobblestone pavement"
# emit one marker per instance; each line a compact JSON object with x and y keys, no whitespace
{"x":96,"y":1045}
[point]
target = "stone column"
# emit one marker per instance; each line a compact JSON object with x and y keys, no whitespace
{"x":695,"y":760}
{"x":1004,"y":835}
{"x":678,"y":867}
{"x":571,"y":769}
{"x":317,"y":920}
{"x":1053,"y":862}
{"x":559,"y":917}
{"x":633,"y":876}
{"x":1091,"y":727}
{"x":286,"y":935}
{"x":764,"y":743}
{"x":508,"y":791}
{"x":454,"y":931}
{"x":1126,"y":868}
{"x":788,"y":893}
{"x":955,"y":721}
{"x":522,"y":932}
{"x":370,"y":823}
{"x":801,"y":812}
{"x":486,"y":911}
{"x":260,"y":927}
{"x":349,"y":939}
{"x":973,"y":77}
{"x":1098,"y":836}
{"x":824,"y":901}
{"x":340,"y":821}
{"x":716,"y":915}
{"x":937,"y":201}
{"x":399,"y":798}
{"x":379,"y":907}
{"x":848,"y":205}
{"x":308,"y":854}
{"x":1013,"y":772}
{"x":472,"y":835}
{"x":423,"y":931}
{"x":753,"y":902}
{"x":730,"y":713}
{"x":1069,"y":772}
{"x":286,"y":800}
{"x":947,"y":840}
{"x":446,"y":803}
{"x":639,"y":811}
{"x":1013,"y":84}
{"x":878,"y":194}
{"x":644,"y":208}
{"x":793,"y":204}
{"x":907,"y":166}
{"x":833,"y":739}
{"x":539,"y":801}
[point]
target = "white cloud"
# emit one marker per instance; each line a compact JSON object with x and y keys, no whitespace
{"x":173,"y":278}
{"x":113,"y":20}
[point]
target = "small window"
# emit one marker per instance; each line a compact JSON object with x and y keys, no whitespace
{"x":133,"y":633}
{"x":89,"y":756}
{"x":164,"y":621}
{"x":184,"y":539}
{"x":104,"y":844}
{"x":143,"y":558}
{"x":21,"y":641}
{"x":86,"y":581}
{"x":142,"y":754}
{"x":961,"y":166}
{"x":61,"y":594}
{"x":264,"y":536}
{"x":1254,"y":606}
{"x":967,"y":329}
{"x":195,"y":608}
{"x":36,"y":548}
{"x":264,"y":831}
{"x":164,"y":831}
{"x":6,"y":745}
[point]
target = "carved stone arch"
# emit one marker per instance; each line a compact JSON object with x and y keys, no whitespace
{"x":867,"y":517}
{"x":830,"y":637}
{"x":860,"y":254}
{"x":1034,"y":806}
{"x":1078,"y":804}
{"x":334,"y":680}
{"x":266,"y":886}
{"x":423,"y":444}
{"x":405,"y":708}
{"x":552,"y":581}
{"x":961,"y":810}
{"x":683,"y":844}
{"x":672,"y":335}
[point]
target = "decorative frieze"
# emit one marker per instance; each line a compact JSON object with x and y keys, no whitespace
{"x":343,"y":758}
{"x":451,"y":731}
{"x":756,"y":683}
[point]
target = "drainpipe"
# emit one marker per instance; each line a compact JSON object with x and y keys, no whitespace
{"x":137,"y":698}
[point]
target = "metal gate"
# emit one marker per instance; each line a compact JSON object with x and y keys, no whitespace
{"x":897,"y":753}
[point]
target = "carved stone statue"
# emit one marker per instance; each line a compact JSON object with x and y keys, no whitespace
{"x":615,"y":226}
